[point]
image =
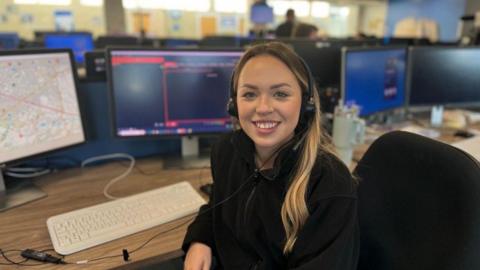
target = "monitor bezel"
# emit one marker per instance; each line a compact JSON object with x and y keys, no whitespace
{"x":425,"y":106}
{"x":113,"y":116}
{"x":346,"y":50}
{"x":15,"y":161}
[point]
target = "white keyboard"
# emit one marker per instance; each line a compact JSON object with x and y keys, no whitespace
{"x":84,"y":228}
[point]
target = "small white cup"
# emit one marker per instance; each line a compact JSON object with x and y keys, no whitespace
{"x":348,"y":132}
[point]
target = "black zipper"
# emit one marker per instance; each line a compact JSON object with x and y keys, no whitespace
{"x":249,"y":199}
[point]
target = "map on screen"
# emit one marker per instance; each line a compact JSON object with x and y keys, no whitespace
{"x":39,"y":109}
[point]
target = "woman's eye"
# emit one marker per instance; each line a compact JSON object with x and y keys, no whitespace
{"x":248,"y":95}
{"x":281,"y":94}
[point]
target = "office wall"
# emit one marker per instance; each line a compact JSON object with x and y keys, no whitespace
{"x":24,"y":19}
{"x":445,"y":12}
{"x":184,"y":24}
{"x":372,"y":19}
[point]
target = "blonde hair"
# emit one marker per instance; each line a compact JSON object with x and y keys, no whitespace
{"x":294,"y":211}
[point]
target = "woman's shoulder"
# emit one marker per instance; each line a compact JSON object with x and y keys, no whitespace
{"x":224,"y":143}
{"x":231,"y":144}
{"x":330,"y":177}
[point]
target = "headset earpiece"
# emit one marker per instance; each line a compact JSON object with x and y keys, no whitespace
{"x":231,"y":108}
{"x":308,"y":104}
{"x":232,"y":103}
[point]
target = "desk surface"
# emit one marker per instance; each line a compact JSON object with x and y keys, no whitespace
{"x":25,"y":226}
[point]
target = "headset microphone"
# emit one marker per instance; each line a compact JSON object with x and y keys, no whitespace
{"x":299,"y":142}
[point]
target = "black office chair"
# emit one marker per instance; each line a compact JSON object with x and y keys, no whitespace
{"x":419,"y":205}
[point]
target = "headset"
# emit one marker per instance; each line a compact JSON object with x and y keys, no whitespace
{"x":307,"y":110}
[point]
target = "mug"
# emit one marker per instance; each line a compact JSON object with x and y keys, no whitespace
{"x":348,"y":132}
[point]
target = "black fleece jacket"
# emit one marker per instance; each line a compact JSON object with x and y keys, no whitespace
{"x":246,"y":230}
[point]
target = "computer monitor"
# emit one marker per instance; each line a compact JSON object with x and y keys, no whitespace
{"x":261,"y":14}
{"x":180,"y":42}
{"x":79,"y":42}
{"x":374,"y":78}
{"x":444,"y":76}
{"x":170,"y":92}
{"x":39,"y":111}
{"x":220,"y":42}
{"x":406,"y":41}
{"x":9,"y":41}
{"x":324,"y":61}
{"x":104,"y":41}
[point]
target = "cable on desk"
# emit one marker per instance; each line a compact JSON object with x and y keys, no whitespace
{"x":116,"y":179}
{"x":20,"y":263}
{"x":142,"y":171}
{"x":25,"y":173}
{"x":240,"y":188}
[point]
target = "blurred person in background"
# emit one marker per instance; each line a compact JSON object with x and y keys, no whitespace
{"x":305,"y":30}
{"x":285,"y":29}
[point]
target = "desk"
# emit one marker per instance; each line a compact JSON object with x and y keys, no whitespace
{"x":25,"y":226}
{"x":446,"y":136}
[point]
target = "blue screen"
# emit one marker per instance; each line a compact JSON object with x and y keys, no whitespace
{"x":79,"y":43}
{"x":261,"y":14}
{"x":163,"y":92}
{"x":9,"y":41}
{"x":375,"y":79}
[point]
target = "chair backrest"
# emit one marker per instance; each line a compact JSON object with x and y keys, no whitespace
{"x":419,"y":205}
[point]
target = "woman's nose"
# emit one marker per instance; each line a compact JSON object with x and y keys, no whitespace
{"x":264,"y":105}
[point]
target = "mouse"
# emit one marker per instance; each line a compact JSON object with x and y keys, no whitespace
{"x":463,"y":134}
{"x":207,"y":189}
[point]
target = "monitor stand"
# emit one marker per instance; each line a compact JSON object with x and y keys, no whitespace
{"x":191,"y":158}
{"x":18,"y":192}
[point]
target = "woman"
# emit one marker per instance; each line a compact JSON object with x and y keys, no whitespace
{"x":281,"y":199}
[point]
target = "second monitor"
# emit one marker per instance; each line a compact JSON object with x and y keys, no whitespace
{"x":374,"y":78}
{"x":79,"y":42}
{"x":170,"y":92}
{"x":444,"y":76}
